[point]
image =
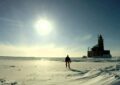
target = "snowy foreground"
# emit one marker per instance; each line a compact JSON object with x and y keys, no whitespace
{"x":44,"y":72}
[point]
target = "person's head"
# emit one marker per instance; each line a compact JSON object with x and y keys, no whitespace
{"x":67,"y":55}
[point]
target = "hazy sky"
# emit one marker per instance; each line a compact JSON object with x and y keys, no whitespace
{"x":75,"y":26}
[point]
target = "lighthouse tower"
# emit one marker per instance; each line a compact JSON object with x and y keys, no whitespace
{"x":100,"y":43}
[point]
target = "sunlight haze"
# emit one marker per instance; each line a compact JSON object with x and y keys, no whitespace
{"x":30,"y":27}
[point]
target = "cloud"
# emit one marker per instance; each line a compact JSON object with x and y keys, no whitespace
{"x":48,"y":50}
{"x":13,"y":22}
{"x":9,"y":20}
{"x":115,"y":53}
{"x":36,"y":50}
{"x":83,"y":38}
{"x":87,"y":37}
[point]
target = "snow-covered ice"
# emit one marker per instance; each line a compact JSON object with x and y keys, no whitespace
{"x":54,"y":72}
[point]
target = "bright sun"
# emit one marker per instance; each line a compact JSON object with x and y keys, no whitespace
{"x":43,"y":27}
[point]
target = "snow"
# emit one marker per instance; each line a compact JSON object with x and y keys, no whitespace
{"x":52,"y":72}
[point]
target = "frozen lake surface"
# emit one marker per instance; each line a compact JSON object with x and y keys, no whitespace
{"x":22,"y":71}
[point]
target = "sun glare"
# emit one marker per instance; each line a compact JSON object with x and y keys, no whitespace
{"x":43,"y":27}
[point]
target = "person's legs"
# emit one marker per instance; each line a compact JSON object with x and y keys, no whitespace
{"x":66,"y":64}
{"x":69,"y":65}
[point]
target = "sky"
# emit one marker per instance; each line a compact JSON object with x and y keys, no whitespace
{"x":75,"y":26}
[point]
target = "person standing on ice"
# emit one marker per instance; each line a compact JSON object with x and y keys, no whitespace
{"x":67,"y":61}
